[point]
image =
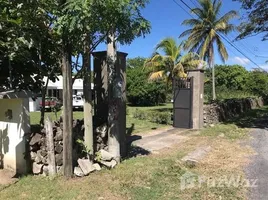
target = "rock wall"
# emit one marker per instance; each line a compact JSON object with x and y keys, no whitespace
{"x":223,"y":111}
{"x":37,"y":145}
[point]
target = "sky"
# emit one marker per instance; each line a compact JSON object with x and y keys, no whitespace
{"x":166,"y":18}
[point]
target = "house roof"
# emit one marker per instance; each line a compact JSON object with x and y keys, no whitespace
{"x":13,"y":94}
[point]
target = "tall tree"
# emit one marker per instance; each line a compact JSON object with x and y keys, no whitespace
{"x":255,"y":22}
{"x":173,"y":63}
{"x":127,"y":24}
{"x":206,"y":32}
{"x":87,"y":31}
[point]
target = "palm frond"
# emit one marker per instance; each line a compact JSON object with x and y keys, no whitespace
{"x":228,"y":16}
{"x":209,"y":39}
{"x":168,"y":46}
{"x":221,"y":49}
{"x":157,"y":75}
{"x":185,"y":33}
{"x":191,"y":22}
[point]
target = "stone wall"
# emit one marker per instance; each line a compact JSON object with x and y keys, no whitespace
{"x":223,"y":111}
{"x":37,"y":146}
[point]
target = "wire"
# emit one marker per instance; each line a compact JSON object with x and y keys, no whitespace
{"x":223,"y":37}
{"x":194,"y":3}
{"x":182,"y":7}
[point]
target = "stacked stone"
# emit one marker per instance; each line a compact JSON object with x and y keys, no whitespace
{"x":228,"y":109}
{"x":38,"y":146}
{"x":39,"y":154}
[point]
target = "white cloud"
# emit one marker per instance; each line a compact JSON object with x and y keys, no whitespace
{"x":265,"y":66}
{"x":241,"y":60}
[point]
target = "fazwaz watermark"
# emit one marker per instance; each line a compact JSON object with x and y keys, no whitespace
{"x":190,"y":180}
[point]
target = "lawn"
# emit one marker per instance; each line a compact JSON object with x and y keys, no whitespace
{"x":156,"y":176}
{"x":134,"y":125}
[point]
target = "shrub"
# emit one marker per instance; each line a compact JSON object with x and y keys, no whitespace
{"x":153,"y":116}
{"x":160,"y":117}
{"x":140,"y":114}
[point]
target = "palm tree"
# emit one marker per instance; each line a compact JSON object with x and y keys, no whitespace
{"x":172,"y":64}
{"x":206,"y":33}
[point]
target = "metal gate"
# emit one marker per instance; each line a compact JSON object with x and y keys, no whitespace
{"x":182,"y":102}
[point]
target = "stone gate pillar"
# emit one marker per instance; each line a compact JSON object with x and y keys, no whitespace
{"x":101,"y":82}
{"x":198,"y":98}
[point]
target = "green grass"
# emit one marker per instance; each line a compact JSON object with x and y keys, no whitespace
{"x":230,"y":131}
{"x":155,"y":177}
{"x":133,"y":125}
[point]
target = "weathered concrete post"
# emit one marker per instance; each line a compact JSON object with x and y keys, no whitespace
{"x":198,"y":98}
{"x":101,"y":88}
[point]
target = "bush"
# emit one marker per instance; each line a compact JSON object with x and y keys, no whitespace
{"x":153,"y":116}
{"x":140,"y":114}
{"x":160,"y":117}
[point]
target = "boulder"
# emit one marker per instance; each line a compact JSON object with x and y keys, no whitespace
{"x":111,"y":164}
{"x":38,"y":157}
{"x":78,"y":172}
{"x":37,"y":168}
{"x":195,"y":157}
{"x":58,"y":148}
{"x":35,"y":139}
{"x":59,"y":159}
{"x":105,"y":155}
{"x":59,"y":135}
{"x":43,"y":153}
{"x":86,"y":166}
{"x":33,"y":155}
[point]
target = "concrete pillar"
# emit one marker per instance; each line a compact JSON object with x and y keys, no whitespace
{"x":100,"y":88}
{"x":198,"y":98}
{"x":101,"y":92}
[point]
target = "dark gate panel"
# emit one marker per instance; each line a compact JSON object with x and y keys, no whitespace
{"x":182,"y":108}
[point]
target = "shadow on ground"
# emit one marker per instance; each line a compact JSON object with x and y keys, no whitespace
{"x":257,"y":118}
{"x":134,"y":151}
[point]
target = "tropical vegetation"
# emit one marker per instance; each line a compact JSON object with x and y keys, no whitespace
{"x":172,"y":63}
{"x":142,"y":92}
{"x":207,"y":33}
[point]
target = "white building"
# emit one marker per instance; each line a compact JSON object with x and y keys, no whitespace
{"x":54,"y":89}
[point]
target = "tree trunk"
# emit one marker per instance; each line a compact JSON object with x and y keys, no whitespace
{"x":88,"y":122}
{"x":211,"y":65}
{"x":213,"y":83}
{"x":113,"y":110}
{"x":67,"y":114}
{"x":50,"y":148}
{"x":44,"y":91}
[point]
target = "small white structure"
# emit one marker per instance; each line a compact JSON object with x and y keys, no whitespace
{"x":14,"y":124}
{"x":54,"y":89}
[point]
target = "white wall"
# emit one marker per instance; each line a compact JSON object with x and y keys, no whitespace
{"x":34,"y":105}
{"x":12,"y":141}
